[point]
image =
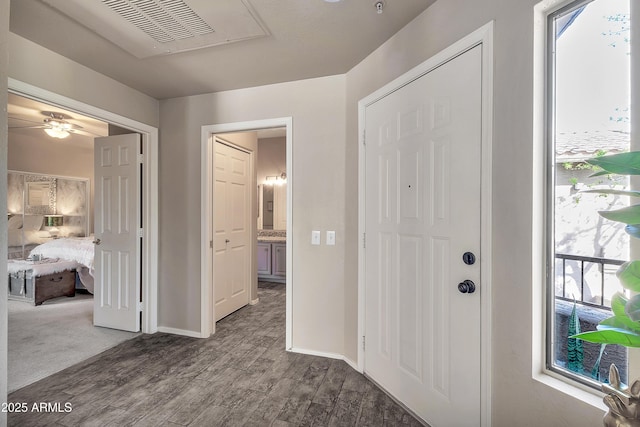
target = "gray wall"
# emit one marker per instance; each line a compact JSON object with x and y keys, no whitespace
{"x":39,"y":155}
{"x":317,"y":108}
{"x":27,"y":153}
{"x":40,"y":67}
{"x":272,"y":157}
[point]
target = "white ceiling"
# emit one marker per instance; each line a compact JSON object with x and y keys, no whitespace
{"x":26,"y":117}
{"x":270,"y":41}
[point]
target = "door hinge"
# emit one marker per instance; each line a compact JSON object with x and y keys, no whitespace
{"x":363,"y":342}
{"x":140,"y":232}
{"x":140,"y":158}
{"x":364,"y":240}
{"x":364,"y":138}
{"x":211,"y":244}
{"x":140,"y":306}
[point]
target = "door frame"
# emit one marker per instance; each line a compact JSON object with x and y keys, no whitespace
{"x":208,"y":133}
{"x":148,"y":260}
{"x":484,"y":37}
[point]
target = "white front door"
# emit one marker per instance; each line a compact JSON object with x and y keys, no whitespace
{"x":422,"y":334}
{"x":117,"y":245}
{"x":232,"y":232}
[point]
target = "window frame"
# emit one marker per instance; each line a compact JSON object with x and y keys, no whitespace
{"x":550,"y":191}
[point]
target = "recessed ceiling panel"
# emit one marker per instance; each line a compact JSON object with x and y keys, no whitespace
{"x":147,"y":28}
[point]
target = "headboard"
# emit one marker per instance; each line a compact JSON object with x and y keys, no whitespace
{"x":33,"y":196}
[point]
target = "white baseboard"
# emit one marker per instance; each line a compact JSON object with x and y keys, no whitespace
{"x":327,"y":355}
{"x":317,"y":353}
{"x":351,"y":363}
{"x":254,"y":301}
{"x":183,"y":332}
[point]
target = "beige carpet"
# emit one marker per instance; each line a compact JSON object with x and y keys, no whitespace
{"x":51,"y":337}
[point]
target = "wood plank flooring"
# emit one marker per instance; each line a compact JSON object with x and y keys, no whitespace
{"x":241,"y":376}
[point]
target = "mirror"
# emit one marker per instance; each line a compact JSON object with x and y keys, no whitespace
{"x":272,"y":213}
{"x":267,"y":207}
{"x":40,"y":194}
{"x":37,"y":194}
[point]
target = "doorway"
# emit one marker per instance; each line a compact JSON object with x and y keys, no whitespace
{"x":424,"y":289}
{"x":208,"y":219}
{"x":148,"y":256}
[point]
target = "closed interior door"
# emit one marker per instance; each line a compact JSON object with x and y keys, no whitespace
{"x":423,"y":151}
{"x":117,"y":190}
{"x":232,"y":250}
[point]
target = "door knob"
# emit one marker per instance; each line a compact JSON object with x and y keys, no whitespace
{"x":227,"y":240}
{"x":97,"y":242}
{"x":467,"y":287}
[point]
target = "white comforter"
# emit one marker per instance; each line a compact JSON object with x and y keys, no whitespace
{"x":80,"y":250}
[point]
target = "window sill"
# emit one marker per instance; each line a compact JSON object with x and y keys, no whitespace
{"x":572,"y":389}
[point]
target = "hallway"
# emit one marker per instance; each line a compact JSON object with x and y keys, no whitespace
{"x":241,"y":376}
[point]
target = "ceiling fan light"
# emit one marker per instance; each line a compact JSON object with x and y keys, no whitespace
{"x":57,"y":127}
{"x":56,"y":132}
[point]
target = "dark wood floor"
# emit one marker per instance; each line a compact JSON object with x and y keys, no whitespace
{"x":241,"y":376}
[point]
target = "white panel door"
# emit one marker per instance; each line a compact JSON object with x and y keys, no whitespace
{"x":422,"y":159}
{"x":232,"y":234}
{"x":117,"y":190}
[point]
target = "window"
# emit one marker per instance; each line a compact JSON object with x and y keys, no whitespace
{"x":589,"y":55}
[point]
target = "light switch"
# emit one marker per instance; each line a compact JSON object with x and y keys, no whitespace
{"x":331,"y":238}
{"x":315,"y":237}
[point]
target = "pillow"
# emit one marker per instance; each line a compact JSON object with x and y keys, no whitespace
{"x":15,"y":222}
{"x":33,"y":222}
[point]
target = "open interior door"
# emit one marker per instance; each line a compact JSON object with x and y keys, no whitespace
{"x":232,"y":238}
{"x":117,"y":244}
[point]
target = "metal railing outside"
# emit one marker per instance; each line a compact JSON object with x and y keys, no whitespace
{"x":582,"y":260}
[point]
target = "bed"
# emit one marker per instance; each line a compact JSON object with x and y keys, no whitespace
{"x":78,"y":249}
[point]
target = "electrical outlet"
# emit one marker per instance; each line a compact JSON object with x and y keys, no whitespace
{"x":331,"y":238}
{"x":315,"y":237}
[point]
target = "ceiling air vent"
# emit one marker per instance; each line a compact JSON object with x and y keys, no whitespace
{"x":147,"y":28}
{"x":163,"y":20}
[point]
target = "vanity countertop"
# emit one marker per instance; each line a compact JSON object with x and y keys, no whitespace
{"x":272,"y":236}
{"x":272,"y":239}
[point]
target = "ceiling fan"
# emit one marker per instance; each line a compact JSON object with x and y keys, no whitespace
{"x":55,"y":124}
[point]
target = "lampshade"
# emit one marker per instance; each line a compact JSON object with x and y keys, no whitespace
{"x":53,"y":220}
